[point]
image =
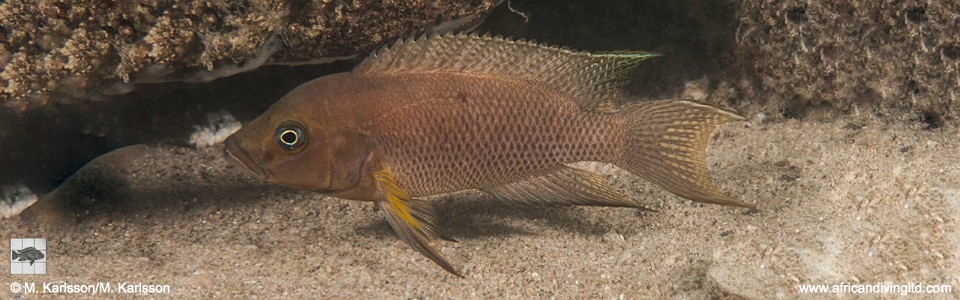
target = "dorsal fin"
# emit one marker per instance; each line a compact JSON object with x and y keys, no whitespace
{"x":593,"y":79}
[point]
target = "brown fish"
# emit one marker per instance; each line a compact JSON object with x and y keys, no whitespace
{"x":447,"y":113}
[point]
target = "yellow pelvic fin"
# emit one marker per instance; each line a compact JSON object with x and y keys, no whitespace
{"x":398,"y":200}
{"x":412,"y":219}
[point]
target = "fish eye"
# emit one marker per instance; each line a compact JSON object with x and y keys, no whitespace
{"x":290,"y":136}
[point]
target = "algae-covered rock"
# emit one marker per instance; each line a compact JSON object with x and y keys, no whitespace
{"x":760,"y":56}
{"x":55,"y":50}
{"x":903,"y":54}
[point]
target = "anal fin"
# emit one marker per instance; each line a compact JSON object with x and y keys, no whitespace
{"x":567,"y":186}
{"x":412,"y":219}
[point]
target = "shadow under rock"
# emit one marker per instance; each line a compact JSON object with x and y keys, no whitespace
{"x":43,"y":147}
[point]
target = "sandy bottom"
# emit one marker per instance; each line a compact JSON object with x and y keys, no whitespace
{"x":845,"y":201}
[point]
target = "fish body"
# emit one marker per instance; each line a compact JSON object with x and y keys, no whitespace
{"x":464,"y":131}
{"x":448,"y":113}
{"x":28,"y":253}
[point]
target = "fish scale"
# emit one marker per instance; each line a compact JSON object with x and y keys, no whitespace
{"x":440,"y":114}
{"x":484,"y":129}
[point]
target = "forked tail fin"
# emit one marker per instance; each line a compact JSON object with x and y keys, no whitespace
{"x":666,"y":143}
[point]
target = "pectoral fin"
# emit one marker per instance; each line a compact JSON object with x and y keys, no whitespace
{"x":412,"y":219}
{"x":567,"y":186}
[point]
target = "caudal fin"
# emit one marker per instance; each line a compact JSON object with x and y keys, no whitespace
{"x":14,"y":255}
{"x":667,"y":145}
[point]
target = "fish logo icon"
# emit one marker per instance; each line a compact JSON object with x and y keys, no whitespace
{"x":27,"y":254}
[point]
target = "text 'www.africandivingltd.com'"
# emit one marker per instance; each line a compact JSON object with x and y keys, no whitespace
{"x":876,"y":288}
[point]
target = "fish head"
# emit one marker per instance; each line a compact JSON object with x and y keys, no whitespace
{"x":298,"y":143}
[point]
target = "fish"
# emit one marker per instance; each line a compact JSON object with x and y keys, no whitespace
{"x":28,"y":253}
{"x":439,"y":114}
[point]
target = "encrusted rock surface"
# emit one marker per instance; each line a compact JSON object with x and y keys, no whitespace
{"x":903,"y":54}
{"x":784,"y":56}
{"x":58,"y":50}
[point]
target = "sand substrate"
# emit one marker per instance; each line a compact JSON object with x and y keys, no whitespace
{"x":849,"y":200}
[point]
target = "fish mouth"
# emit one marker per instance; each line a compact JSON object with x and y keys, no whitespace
{"x":236,"y":156}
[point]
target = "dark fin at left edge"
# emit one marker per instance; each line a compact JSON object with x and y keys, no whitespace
{"x":412,"y":219}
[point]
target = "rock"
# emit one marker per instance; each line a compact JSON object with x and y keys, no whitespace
{"x":57,"y":51}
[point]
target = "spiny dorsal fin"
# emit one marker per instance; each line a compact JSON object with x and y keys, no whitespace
{"x":593,"y":79}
